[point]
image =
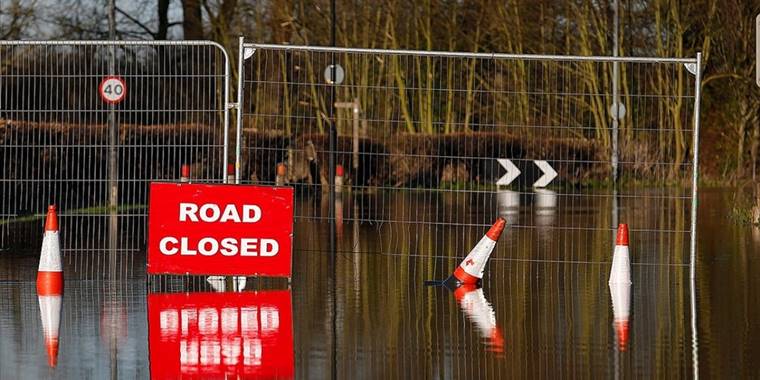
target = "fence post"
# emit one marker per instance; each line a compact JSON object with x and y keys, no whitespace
{"x":239,"y":122}
{"x":695,"y":166}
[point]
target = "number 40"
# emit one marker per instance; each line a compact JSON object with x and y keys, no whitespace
{"x":114,"y":89}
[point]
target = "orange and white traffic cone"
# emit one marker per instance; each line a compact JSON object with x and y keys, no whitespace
{"x":470,"y":271}
{"x":476,"y":307}
{"x":231,"y":173}
{"x":50,"y":272}
{"x":339,"y":176}
{"x":281,"y":175}
{"x":621,"y":310}
{"x":621,"y":261}
{"x":50,"y":285}
{"x":185,"y":173}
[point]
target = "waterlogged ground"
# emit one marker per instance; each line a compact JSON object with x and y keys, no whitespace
{"x":545,"y":310}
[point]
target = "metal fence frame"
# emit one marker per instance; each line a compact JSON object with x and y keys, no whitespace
{"x":217,"y":52}
{"x":248,"y":49}
{"x":692,"y":65}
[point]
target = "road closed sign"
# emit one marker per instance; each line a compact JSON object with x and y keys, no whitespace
{"x":220,"y":230}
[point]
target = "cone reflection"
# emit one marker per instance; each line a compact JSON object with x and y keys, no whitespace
{"x":621,"y":310}
{"x":50,"y":311}
{"x":476,"y":307}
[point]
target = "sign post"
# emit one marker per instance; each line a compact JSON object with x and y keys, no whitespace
{"x":231,"y":230}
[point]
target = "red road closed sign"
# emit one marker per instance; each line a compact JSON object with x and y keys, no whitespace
{"x":220,"y":230}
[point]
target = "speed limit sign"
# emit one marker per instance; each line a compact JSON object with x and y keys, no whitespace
{"x":112,"y":89}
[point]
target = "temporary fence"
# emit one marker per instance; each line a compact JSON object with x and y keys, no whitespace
{"x":88,"y":124}
{"x":429,"y":146}
{"x":432,"y":146}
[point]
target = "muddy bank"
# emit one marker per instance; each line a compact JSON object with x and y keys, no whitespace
{"x":67,"y":164}
{"x":414,"y":160}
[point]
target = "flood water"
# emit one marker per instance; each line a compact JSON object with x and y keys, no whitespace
{"x":545,"y":309}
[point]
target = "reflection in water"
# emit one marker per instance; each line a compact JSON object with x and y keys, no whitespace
{"x":479,"y":311}
{"x":50,"y":311}
{"x":755,"y":215}
{"x":449,"y":224}
{"x":621,"y":310}
{"x":339,"y":214}
{"x":219,"y":283}
{"x":545,"y":201}
{"x":551,"y":299}
{"x":245,"y":334}
{"x":508,"y":203}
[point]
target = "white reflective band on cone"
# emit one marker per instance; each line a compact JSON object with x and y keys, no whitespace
{"x":50,"y":254}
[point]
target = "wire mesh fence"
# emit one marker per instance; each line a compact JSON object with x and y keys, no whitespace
{"x":67,"y":139}
{"x":431,"y":146}
{"x":445,"y":142}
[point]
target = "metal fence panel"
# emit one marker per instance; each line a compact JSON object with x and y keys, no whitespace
{"x":435,"y":145}
{"x":56,"y":136}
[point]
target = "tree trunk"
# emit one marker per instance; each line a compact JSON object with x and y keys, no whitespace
{"x":163,"y":20}
{"x":192,"y":20}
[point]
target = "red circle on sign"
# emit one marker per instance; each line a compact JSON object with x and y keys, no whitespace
{"x":113,"y":96}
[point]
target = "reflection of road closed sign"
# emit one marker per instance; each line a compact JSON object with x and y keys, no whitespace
{"x":220,"y":230}
{"x":221,"y":335}
{"x":112,"y":89}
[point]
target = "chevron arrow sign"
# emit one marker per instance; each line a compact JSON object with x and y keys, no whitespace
{"x":512,"y":172}
{"x":549,"y":173}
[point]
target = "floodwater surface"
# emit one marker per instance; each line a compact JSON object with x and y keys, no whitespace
{"x":545,"y":309}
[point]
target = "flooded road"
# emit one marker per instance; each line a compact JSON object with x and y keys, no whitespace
{"x":545,"y":309}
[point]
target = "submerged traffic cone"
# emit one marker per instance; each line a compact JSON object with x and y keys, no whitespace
{"x":470,"y":271}
{"x":50,"y":271}
{"x":339,"y":175}
{"x":185,"y":173}
{"x":50,"y":311}
{"x":621,"y":261}
{"x":476,"y":307}
{"x":621,"y":310}
{"x":281,"y":175}
{"x":231,"y":173}
{"x":50,"y":285}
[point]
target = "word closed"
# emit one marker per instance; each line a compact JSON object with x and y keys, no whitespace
{"x":220,"y":229}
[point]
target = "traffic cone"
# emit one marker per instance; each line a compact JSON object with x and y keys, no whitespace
{"x":50,"y":311}
{"x":621,"y":310}
{"x":50,"y":285}
{"x":282,"y":172}
{"x":50,"y":271}
{"x":621,"y":261}
{"x":339,"y":173}
{"x":231,"y":173}
{"x":477,"y":308}
{"x":185,"y":173}
{"x":470,"y":271}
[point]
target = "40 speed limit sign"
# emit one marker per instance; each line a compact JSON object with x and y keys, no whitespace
{"x":112,"y":89}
